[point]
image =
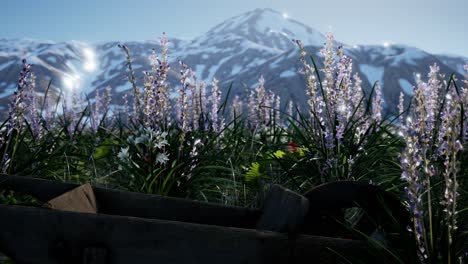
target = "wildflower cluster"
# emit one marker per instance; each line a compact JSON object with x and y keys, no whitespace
{"x":336,"y":107}
{"x":432,"y":132}
{"x":101,"y":109}
{"x":23,"y":113}
{"x":73,"y":113}
{"x":217,"y":123}
{"x":19,"y":105}
{"x":262,"y":115}
{"x":191,"y":110}
{"x":144,"y":159}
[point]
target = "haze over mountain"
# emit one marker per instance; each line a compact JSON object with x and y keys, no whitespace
{"x":238,"y":50}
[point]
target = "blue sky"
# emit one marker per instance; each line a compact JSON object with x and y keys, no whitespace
{"x":433,"y":25}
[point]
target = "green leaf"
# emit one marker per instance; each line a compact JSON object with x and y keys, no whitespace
{"x":101,"y":152}
{"x":253,"y":174}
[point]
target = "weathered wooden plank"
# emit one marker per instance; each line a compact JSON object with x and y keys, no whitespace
{"x":43,"y":190}
{"x":115,"y":202}
{"x":38,"y":235}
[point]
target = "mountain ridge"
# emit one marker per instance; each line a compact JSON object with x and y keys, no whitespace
{"x":239,"y":49}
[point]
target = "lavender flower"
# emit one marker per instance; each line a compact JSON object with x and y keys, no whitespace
{"x":411,"y":159}
{"x":464,"y":100}
{"x":35,"y":119}
{"x":252,"y":110}
{"x":260,"y":101}
{"x":18,"y":106}
{"x":149,"y":102}
{"x":343,"y":95}
{"x":377,"y":103}
{"x":309,"y":73}
{"x":97,"y":110}
{"x":237,"y":107}
{"x":217,"y":123}
{"x":132,"y":79}
{"x":329,"y":63}
{"x":401,"y":107}
{"x":334,"y":106}
{"x":73,"y":114}
{"x":126,"y":111}
{"x":276,"y":110}
{"x":194,"y":109}
{"x":163,"y":69}
{"x":431,"y":137}
{"x":267,"y":111}
{"x":107,"y":100}
{"x":356,"y":95}
{"x":156,"y":106}
{"x":182,"y":104}
{"x":202,"y":105}
{"x":449,"y":147}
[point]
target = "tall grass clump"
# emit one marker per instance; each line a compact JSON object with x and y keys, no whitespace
{"x":344,"y":135}
{"x":207,"y":144}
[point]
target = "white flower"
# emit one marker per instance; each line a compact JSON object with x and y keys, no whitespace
{"x":123,"y":154}
{"x":162,"y":158}
{"x":161,"y":141}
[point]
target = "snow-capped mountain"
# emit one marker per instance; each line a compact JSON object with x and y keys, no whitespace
{"x":245,"y":42}
{"x":262,"y":28}
{"x":238,"y":50}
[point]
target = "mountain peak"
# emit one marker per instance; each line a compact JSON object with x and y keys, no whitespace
{"x":267,"y":27}
{"x":264,"y":10}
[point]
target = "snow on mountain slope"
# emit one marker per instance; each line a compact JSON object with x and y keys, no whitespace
{"x":112,"y":62}
{"x":244,"y":42}
{"x":373,"y":73}
{"x":394,"y":67}
{"x":456,"y":63}
{"x":73,"y":66}
{"x":406,"y":54}
{"x":393,"y":54}
{"x":238,"y":55}
{"x":265,"y":27}
{"x":406,"y":86}
{"x":69,"y":64}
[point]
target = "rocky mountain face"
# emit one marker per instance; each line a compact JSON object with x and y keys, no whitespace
{"x":237,"y":51}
